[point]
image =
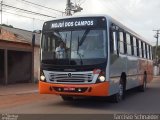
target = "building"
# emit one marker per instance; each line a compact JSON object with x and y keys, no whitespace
{"x":19,"y":60}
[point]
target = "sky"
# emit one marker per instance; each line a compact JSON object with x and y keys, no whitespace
{"x":142,"y":16}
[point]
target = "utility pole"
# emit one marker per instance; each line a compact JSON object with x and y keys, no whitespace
{"x":1,"y":10}
{"x":156,"y":36}
{"x":70,"y":7}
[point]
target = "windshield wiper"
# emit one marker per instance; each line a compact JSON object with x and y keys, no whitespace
{"x":80,"y":42}
{"x":57,"y":35}
{"x":84,"y":37}
{"x":80,"y":56}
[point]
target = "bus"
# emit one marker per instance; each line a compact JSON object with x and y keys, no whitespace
{"x":94,"y":55}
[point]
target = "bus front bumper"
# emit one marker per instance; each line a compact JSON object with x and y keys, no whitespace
{"x":99,"y":89}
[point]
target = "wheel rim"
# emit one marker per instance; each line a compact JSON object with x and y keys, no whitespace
{"x":120,"y":93}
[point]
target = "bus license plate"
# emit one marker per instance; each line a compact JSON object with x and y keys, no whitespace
{"x":69,"y":89}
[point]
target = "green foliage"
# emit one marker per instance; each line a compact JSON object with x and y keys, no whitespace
{"x":7,"y":25}
{"x":158,"y":51}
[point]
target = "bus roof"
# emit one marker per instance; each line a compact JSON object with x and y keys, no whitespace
{"x":110,"y":19}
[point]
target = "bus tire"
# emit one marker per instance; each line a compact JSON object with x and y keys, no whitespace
{"x":121,"y":92}
{"x":143,"y":87}
{"x":67,"y":98}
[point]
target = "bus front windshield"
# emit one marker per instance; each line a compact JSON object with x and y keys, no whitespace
{"x":77,"y":47}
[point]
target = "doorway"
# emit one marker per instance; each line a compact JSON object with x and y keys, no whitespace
{"x":19,"y":67}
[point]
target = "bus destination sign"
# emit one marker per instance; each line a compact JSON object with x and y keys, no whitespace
{"x":65,"y":24}
{"x":76,"y":23}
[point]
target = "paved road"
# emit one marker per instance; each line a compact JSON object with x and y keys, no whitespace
{"x":135,"y":102}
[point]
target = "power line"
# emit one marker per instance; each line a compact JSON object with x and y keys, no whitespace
{"x":42,"y":6}
{"x":30,"y":6}
{"x":28,"y":11}
{"x":22,"y":15}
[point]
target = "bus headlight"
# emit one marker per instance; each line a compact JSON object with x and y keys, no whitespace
{"x":42,"y":78}
{"x":101,"y":78}
{"x":101,"y":75}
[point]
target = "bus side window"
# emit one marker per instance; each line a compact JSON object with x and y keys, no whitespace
{"x":128,"y":40}
{"x":121,"y":42}
{"x":125,"y":43}
{"x":151,"y":53}
{"x":142,"y":49}
{"x":135,"y":46}
{"x":148,"y":52}
{"x":132,"y":46}
{"x":146,"y":46}
{"x":111,"y":42}
{"x":115,"y":39}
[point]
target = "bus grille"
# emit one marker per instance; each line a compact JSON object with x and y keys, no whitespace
{"x":71,"y":77}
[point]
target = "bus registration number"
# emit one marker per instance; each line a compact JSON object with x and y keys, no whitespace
{"x":69,"y":89}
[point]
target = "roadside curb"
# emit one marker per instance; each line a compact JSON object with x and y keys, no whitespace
{"x":21,"y":93}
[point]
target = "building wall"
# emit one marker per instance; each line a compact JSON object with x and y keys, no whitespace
{"x":10,"y":41}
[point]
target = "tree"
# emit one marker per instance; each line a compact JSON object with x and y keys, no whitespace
{"x":7,"y":25}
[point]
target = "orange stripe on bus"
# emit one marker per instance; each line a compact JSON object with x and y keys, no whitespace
{"x":99,"y":89}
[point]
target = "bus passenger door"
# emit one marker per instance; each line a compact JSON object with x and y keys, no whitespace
{"x":114,"y":70}
{"x":117,"y":59}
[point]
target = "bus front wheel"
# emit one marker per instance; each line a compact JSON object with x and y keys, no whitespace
{"x":121,"y":90}
{"x":118,"y":96}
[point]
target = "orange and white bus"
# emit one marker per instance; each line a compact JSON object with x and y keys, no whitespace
{"x":92,"y":56}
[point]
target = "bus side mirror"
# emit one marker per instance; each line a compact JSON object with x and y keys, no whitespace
{"x":34,"y":36}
